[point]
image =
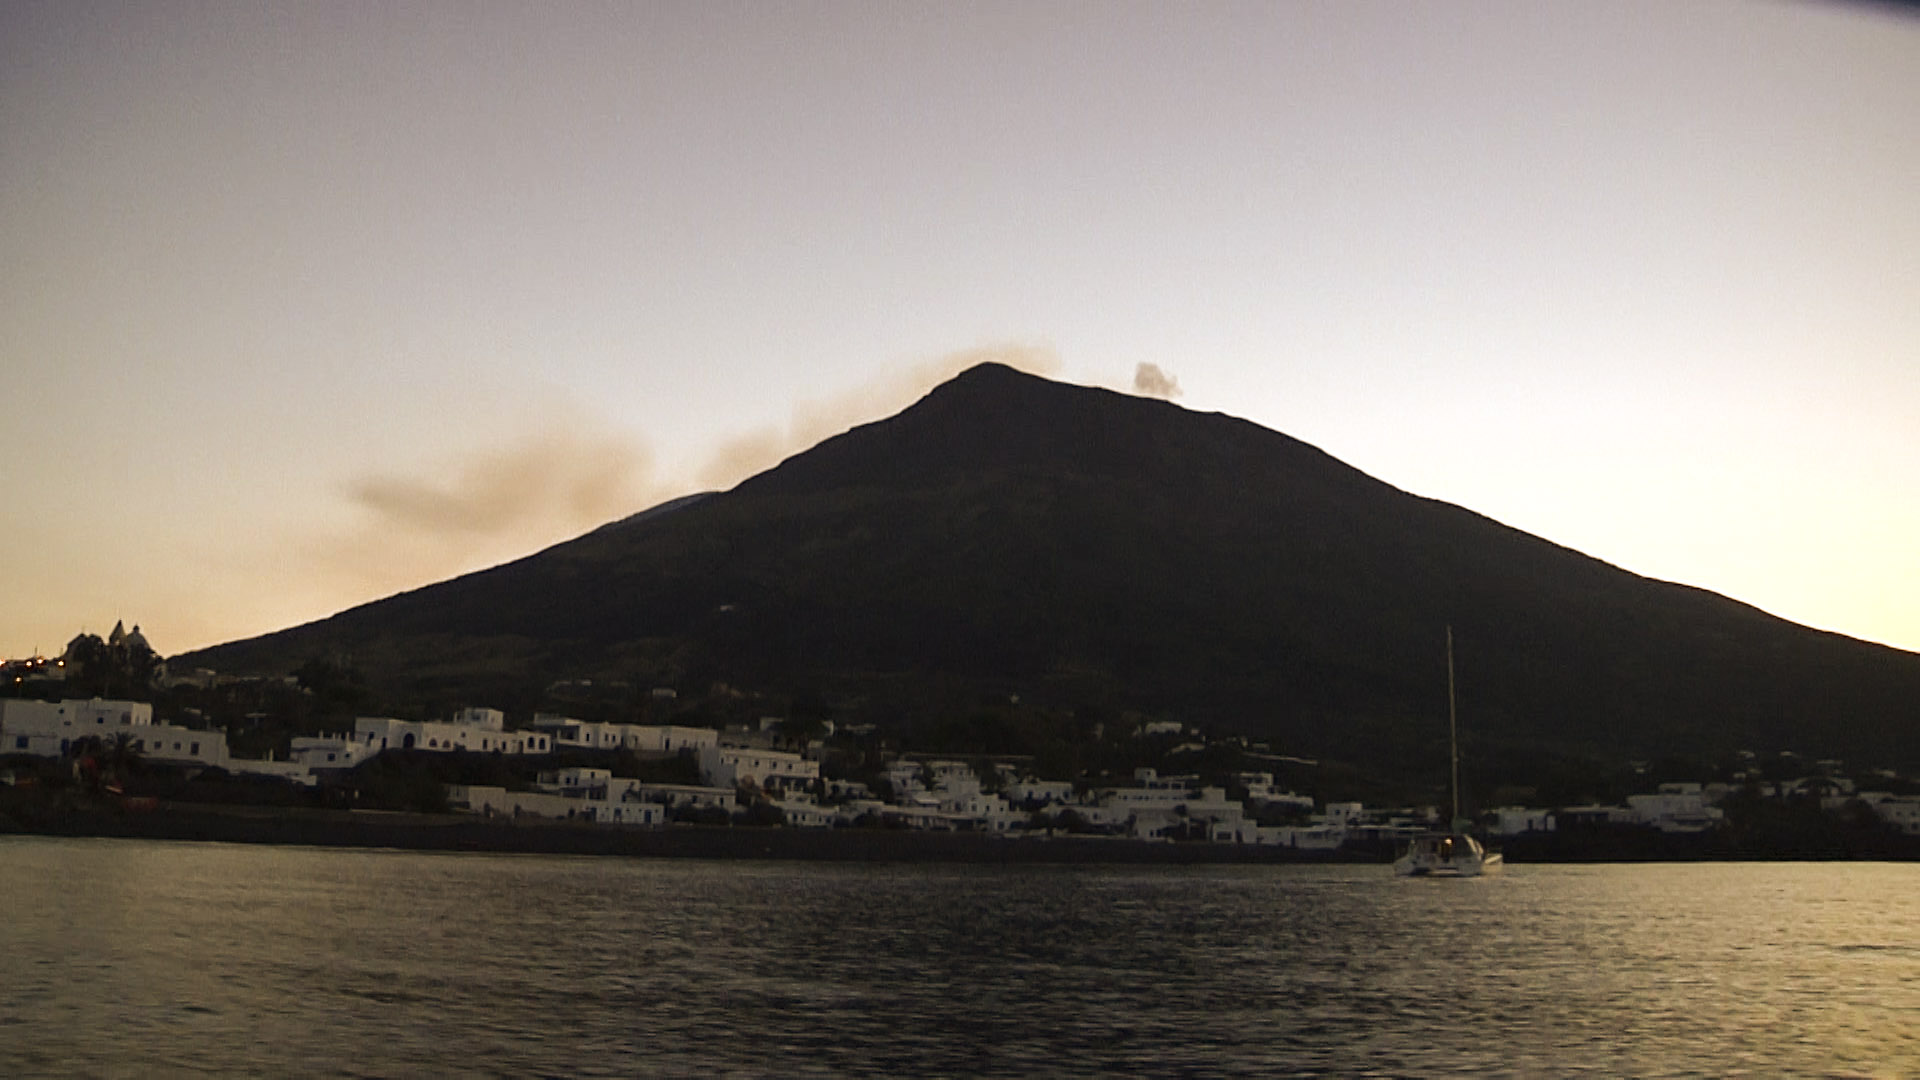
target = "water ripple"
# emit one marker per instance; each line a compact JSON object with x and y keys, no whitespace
{"x":142,"y":959}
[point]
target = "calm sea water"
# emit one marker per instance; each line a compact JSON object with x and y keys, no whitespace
{"x":129,"y":958}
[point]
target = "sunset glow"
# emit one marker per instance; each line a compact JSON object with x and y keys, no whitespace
{"x":305,"y":305}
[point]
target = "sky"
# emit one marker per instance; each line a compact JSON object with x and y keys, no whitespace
{"x":303,"y":305}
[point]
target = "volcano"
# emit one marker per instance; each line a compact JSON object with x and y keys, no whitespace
{"x":1008,"y":536}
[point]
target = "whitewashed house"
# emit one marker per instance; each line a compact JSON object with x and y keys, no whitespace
{"x":804,"y":813}
{"x":670,"y":738}
{"x":1675,"y":812}
{"x":477,"y":730}
{"x":674,"y":796}
{"x":1320,"y":837}
{"x":49,"y":729}
{"x":1518,"y":820}
{"x":1161,"y":805}
{"x":1902,"y":814}
{"x":591,"y":795}
{"x":1038,"y":792}
{"x":640,"y":738}
{"x":176,"y":745}
{"x":903,"y":777}
{"x":326,"y":752}
{"x":846,"y":790}
{"x":732,"y":766}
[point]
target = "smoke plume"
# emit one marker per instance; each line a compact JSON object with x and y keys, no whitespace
{"x":485,"y":508}
{"x":1150,"y":381}
{"x":559,"y":479}
{"x":815,"y":420}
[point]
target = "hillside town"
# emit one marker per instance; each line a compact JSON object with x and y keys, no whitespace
{"x":658,"y":775}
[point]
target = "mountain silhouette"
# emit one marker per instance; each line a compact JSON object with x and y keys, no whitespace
{"x":1079,"y":548}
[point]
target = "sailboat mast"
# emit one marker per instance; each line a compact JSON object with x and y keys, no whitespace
{"x":1453,"y":734}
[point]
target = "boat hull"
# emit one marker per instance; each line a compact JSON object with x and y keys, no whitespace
{"x":1447,"y":856}
{"x":1405,"y":867}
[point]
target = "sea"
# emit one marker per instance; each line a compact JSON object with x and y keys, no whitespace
{"x":124,"y":958}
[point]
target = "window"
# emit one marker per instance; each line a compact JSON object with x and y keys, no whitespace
{"x":20,"y":743}
{"x":194,"y":749}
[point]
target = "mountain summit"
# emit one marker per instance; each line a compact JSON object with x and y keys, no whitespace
{"x":1009,"y":535}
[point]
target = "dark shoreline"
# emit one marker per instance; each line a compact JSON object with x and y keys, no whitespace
{"x":464,"y":833}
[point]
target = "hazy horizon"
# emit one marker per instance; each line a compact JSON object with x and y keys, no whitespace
{"x":310,"y":305}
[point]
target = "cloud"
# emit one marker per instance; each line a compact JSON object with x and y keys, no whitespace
{"x":485,"y":507}
{"x":1150,"y":381}
{"x":815,"y":420}
{"x":558,"y":477}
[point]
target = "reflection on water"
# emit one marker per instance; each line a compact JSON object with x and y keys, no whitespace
{"x":126,"y":958}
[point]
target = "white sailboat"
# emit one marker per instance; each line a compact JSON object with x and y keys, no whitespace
{"x":1453,"y":853}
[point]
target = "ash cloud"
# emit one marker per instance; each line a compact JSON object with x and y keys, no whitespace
{"x":485,"y":507}
{"x":556,"y":478}
{"x":817,"y":419}
{"x":1150,"y":381}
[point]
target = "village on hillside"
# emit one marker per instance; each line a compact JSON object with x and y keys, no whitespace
{"x":818,"y":775}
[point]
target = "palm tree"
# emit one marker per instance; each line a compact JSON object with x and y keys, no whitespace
{"x":123,"y":756}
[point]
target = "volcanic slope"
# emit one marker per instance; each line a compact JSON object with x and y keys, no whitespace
{"x":1081,"y":548}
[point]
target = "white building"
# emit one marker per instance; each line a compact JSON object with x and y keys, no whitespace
{"x":1321,"y":837}
{"x":326,"y":752}
{"x":671,"y":739}
{"x":1515,"y":820}
{"x":1593,"y":815}
{"x":174,"y":744}
{"x":612,"y":801}
{"x":576,"y":780}
{"x":1260,"y":789}
{"x":731,"y":766}
{"x":583,"y":734}
{"x":956,"y":777}
{"x":1675,"y":812}
{"x":903,"y":777}
{"x":1161,"y":805}
{"x":1343,"y":814}
{"x":640,"y":738}
{"x":804,"y":813}
{"x":483,"y":732}
{"x":846,"y":790}
{"x":1902,"y":814}
{"x":49,"y":729}
{"x":490,"y":719}
{"x":1040,"y":792}
{"x":674,"y":796}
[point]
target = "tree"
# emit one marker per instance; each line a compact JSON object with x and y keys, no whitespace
{"x":86,"y":662}
{"x":762,"y":812}
{"x":121,"y":757}
{"x":336,"y":685}
{"x":122,"y":668}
